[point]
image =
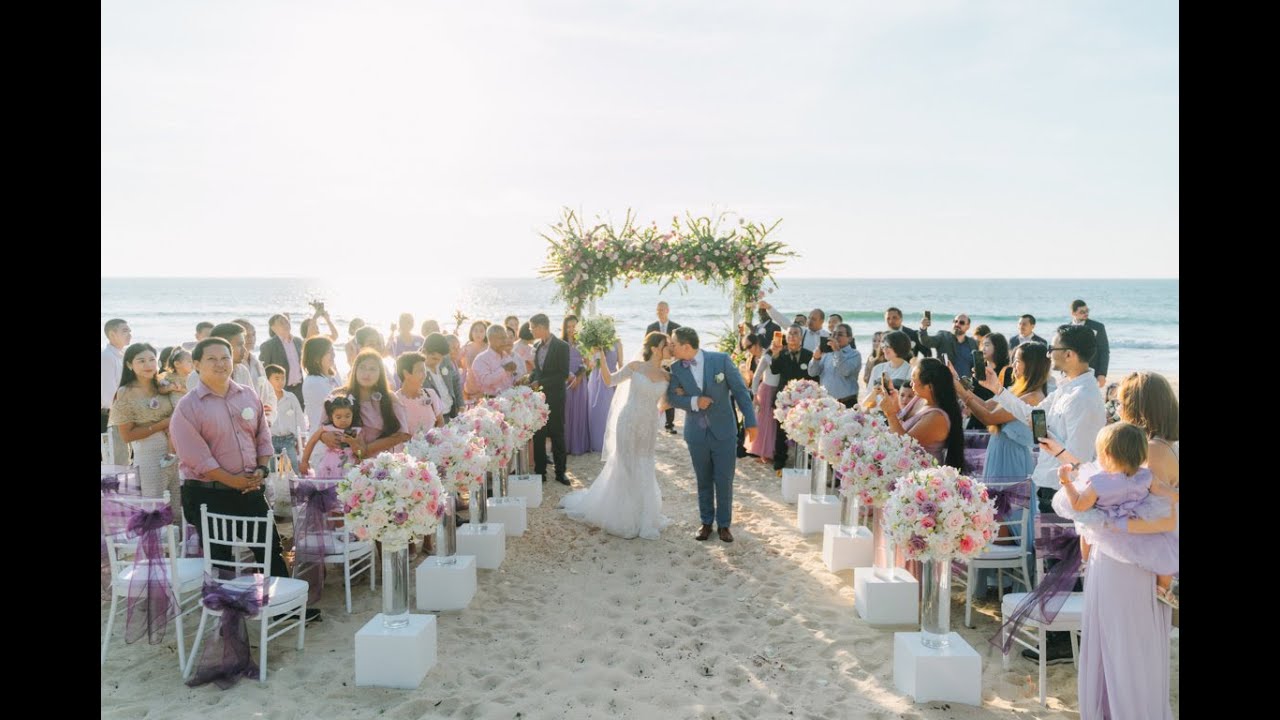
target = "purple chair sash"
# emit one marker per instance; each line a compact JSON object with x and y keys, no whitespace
{"x":225,"y":665}
{"x":151,"y":602}
{"x":312,"y":541}
{"x":976,"y":439}
{"x":1008,"y":493}
{"x":1059,"y":542}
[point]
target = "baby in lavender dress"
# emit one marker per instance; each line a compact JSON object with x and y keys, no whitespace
{"x":1115,"y":489}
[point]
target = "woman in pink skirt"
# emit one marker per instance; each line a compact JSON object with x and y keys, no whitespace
{"x":764,"y":386}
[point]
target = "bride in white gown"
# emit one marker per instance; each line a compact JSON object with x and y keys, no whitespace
{"x":624,"y":499}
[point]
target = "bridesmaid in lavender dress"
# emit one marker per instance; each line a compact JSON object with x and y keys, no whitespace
{"x":599,"y":395}
{"x":577,"y":435}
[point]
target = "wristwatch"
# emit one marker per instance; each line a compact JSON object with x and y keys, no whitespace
{"x":266,"y":471}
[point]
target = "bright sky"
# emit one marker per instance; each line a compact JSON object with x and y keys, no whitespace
{"x":894,"y":139}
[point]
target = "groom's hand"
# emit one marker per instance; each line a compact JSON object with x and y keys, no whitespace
{"x":751,"y":435}
{"x":704,"y":402}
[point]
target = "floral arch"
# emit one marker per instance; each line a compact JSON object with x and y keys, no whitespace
{"x":586,"y":261}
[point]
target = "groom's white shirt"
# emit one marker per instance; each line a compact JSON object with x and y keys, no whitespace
{"x":696,"y":372}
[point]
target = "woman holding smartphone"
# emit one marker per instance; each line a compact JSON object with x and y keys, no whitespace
{"x":1009,"y":452}
{"x":934,"y":419}
{"x":896,"y":347}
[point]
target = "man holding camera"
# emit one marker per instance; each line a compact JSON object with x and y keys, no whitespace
{"x":954,"y":346}
{"x":286,"y":351}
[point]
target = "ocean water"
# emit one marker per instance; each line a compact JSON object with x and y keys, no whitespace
{"x":1141,"y":316}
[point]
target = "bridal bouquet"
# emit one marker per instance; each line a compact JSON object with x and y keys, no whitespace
{"x":846,"y":427}
{"x":938,"y":513}
{"x":596,"y":333}
{"x":871,"y":466}
{"x":807,"y":420}
{"x":392,"y":498}
{"x":528,"y":412}
{"x":492,"y":428}
{"x":458,"y":456}
{"x":794,"y":393}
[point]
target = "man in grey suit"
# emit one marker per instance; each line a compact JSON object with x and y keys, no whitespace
{"x":1102,"y":358}
{"x":288,"y":356}
{"x":666,"y":326}
{"x":955,"y":346}
{"x":442,"y":376}
{"x":706,"y":385}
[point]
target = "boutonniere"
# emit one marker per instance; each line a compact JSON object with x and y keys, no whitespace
{"x":719,"y":377}
{"x":247,"y":414}
{"x":804,"y":366}
{"x":154,"y":404}
{"x":444,"y":372}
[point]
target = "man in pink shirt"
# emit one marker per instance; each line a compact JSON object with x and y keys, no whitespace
{"x":224,"y":445}
{"x":496,"y":368}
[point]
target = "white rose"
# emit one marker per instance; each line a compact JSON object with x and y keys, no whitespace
{"x":247,"y":413}
{"x":444,"y":372}
{"x":804,"y":366}
{"x":719,"y":377}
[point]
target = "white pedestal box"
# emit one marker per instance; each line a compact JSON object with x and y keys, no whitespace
{"x":841,"y":551}
{"x":528,"y":487}
{"x":813,"y":514}
{"x":794,"y":482}
{"x":488,"y":546}
{"x":953,"y":673}
{"x":510,"y":511}
{"x":446,"y":587}
{"x":889,"y":600}
{"x":397,"y":658}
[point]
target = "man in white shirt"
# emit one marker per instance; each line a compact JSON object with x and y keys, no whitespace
{"x":666,"y":326}
{"x":1074,"y":413}
{"x":234,"y":334}
{"x":815,"y":335}
{"x":257,"y":373}
{"x":118,"y":337}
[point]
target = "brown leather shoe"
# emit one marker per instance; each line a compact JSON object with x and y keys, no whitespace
{"x":703,"y":533}
{"x":725,"y":535}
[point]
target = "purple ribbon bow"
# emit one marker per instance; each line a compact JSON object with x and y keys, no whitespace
{"x":1058,"y":542}
{"x":1008,"y":497}
{"x":233,"y":661}
{"x":690,"y":363}
{"x":313,"y":503}
{"x":110,"y":483}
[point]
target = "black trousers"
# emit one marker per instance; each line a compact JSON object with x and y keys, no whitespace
{"x":105,"y":415}
{"x":231,"y":502}
{"x":779,"y":448}
{"x":671,"y":418}
{"x":554,"y":429}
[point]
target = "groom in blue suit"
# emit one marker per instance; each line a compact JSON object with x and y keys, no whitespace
{"x":709,"y":386}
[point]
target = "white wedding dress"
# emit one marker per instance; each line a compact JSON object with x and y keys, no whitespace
{"x":624,"y":499}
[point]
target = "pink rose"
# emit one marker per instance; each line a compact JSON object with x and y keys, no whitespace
{"x":922,"y":496}
{"x":927,"y":522}
{"x":966,"y":545}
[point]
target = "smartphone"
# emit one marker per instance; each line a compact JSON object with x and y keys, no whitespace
{"x":928,"y":316}
{"x":777,"y":337}
{"x":979,"y":368}
{"x":1039,"y":426}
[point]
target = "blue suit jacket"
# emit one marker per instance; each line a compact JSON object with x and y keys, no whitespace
{"x":718,"y":422}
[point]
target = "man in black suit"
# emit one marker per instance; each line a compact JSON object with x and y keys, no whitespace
{"x":1026,"y":332}
{"x":550,"y":373}
{"x":1102,"y":357}
{"x":765,"y":329}
{"x":790,"y":363}
{"x":893,"y":318}
{"x":666,"y":327}
{"x":274,"y":353}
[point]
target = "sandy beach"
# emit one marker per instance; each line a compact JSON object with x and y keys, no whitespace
{"x":578,"y":623}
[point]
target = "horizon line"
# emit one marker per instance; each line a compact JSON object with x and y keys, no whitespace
{"x":526,"y":277}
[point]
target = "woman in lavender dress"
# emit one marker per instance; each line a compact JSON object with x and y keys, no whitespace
{"x":577,"y":434}
{"x":599,"y":395}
